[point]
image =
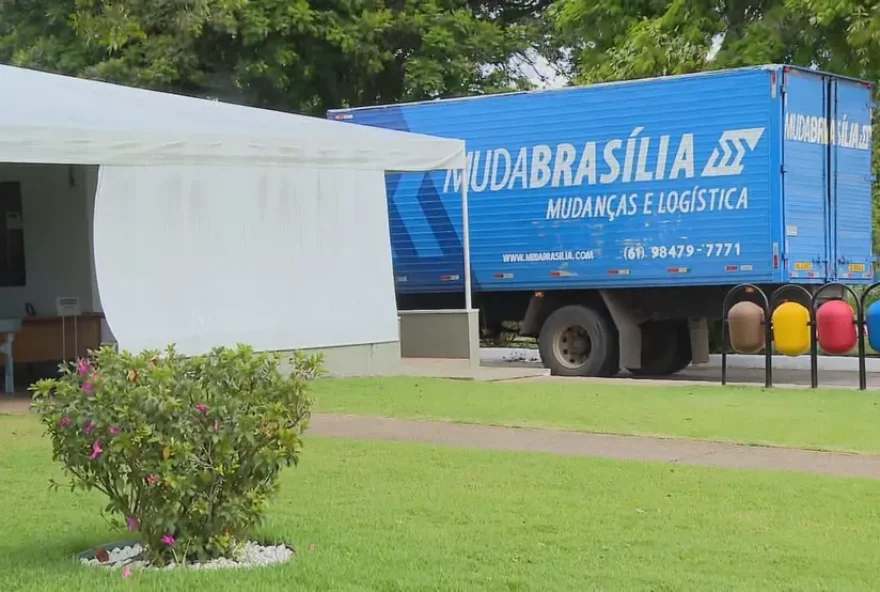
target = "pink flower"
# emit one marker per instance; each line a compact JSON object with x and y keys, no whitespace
{"x":126,"y":572}
{"x":96,"y":450}
{"x":168,"y":540}
{"x":216,"y":425}
{"x":133,"y":524}
{"x":83,"y":367}
{"x":88,"y":427}
{"x":114,"y":431}
{"x":153,"y":479}
{"x":88,"y":387}
{"x":64,"y":421}
{"x":202,"y":408}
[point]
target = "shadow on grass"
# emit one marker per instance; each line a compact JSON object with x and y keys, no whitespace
{"x":53,"y":556}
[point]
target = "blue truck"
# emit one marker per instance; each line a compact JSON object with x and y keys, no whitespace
{"x":610,"y":220}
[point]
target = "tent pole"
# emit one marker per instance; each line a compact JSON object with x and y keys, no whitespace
{"x":466,"y":231}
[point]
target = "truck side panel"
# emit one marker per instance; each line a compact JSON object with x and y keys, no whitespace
{"x":658,"y":182}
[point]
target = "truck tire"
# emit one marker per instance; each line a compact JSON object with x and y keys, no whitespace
{"x":666,"y":348}
{"x":685,"y":355}
{"x":578,"y":341}
{"x":612,"y":363}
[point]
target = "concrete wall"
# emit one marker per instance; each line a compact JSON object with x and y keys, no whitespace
{"x":451,"y":334}
{"x":372,"y":359}
{"x":57,"y":245}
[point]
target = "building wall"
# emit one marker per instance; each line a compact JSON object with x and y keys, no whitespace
{"x":57,"y":247}
{"x":90,"y":175}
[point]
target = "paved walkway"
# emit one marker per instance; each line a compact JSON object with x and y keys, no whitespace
{"x":691,"y":452}
{"x":596,"y":445}
{"x":17,"y":404}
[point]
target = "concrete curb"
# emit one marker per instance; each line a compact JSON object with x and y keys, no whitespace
{"x":832,"y":363}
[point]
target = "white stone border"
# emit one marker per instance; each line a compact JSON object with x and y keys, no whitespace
{"x":250,"y":554}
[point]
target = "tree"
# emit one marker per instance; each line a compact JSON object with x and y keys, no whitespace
{"x":289,"y":54}
{"x":619,"y":40}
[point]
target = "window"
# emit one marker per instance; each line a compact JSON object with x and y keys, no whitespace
{"x":11,"y":236}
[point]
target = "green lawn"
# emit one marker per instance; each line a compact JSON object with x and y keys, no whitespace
{"x":405,"y":517}
{"x":821,"y":419}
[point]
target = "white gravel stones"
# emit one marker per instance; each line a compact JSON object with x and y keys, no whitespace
{"x":250,"y":554}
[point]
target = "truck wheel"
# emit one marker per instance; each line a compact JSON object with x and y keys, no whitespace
{"x":577,"y":341}
{"x":666,"y":348}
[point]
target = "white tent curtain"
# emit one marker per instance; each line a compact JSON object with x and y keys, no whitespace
{"x":277,"y":258}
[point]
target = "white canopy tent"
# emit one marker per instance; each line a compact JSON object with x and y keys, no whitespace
{"x":216,"y":223}
{"x":75,"y":121}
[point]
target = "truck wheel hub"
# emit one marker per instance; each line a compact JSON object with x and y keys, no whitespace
{"x":572,"y":346}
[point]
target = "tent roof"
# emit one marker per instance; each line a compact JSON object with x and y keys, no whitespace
{"x":46,"y":118}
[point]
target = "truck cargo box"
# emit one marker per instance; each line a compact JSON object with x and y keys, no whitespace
{"x":753,"y":175}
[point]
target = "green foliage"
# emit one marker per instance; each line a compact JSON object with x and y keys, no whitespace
{"x":296,"y":54}
{"x":188,"y":450}
{"x":618,"y":40}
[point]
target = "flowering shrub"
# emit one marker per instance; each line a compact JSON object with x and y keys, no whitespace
{"x":188,"y":450}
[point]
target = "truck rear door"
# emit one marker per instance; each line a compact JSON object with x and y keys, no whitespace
{"x":806,"y":191}
{"x":826,"y":177}
{"x":850,"y":157}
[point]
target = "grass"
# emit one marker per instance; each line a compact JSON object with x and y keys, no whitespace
{"x":841,"y":420}
{"x":404,"y":517}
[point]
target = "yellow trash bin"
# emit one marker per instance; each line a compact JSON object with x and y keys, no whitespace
{"x":791,"y":329}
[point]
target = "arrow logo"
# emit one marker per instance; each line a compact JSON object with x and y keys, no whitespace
{"x":720,"y":163}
